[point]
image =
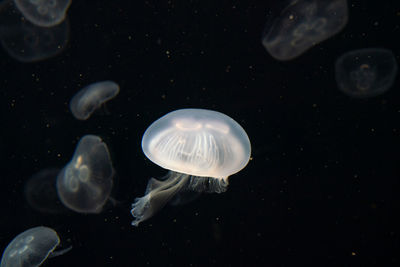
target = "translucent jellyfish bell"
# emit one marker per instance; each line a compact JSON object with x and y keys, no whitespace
{"x":32,"y":248}
{"x":366,"y":72}
{"x":90,"y":98}
{"x":201,"y":148}
{"x":41,"y":192}
{"x":27,"y":42}
{"x":85,"y":183}
{"x":43,"y":13}
{"x":301,"y":25}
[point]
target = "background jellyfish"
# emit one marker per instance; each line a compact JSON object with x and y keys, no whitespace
{"x":85,"y":183}
{"x":32,"y":248}
{"x":44,"y":13}
{"x":303,"y":24}
{"x":90,"y":98}
{"x":201,"y":148}
{"x":27,"y":42}
{"x":366,"y":72}
{"x":41,"y":192}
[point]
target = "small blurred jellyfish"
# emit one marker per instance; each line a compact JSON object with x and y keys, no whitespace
{"x":90,"y":98}
{"x":366,"y":72}
{"x":43,"y":13}
{"x":301,"y":25}
{"x":201,"y":148}
{"x":27,"y":42}
{"x":84,"y":184}
{"x":32,"y":247}
{"x":41,"y":192}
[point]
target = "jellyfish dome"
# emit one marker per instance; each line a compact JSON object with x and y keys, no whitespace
{"x":84,"y":184}
{"x":43,"y":13}
{"x":197,"y":142}
{"x":201,"y":148}
{"x":32,"y":247}
{"x":90,"y":98}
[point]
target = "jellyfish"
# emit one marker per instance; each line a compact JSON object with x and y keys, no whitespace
{"x":32,"y":248}
{"x":301,"y":25}
{"x":90,"y":98}
{"x":366,"y":72}
{"x":43,"y":13}
{"x":27,"y":42}
{"x":200,"y":148}
{"x":85,"y":183}
{"x":41,"y":192}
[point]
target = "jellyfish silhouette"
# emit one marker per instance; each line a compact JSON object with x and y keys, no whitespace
{"x":366,"y":72}
{"x":27,"y":42}
{"x":41,"y":192}
{"x":43,"y":13}
{"x":32,"y":248}
{"x":301,"y":25}
{"x":90,"y":98}
{"x":85,"y":183}
{"x":201,"y":148}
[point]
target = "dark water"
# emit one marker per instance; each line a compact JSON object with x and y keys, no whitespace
{"x":322,"y":188}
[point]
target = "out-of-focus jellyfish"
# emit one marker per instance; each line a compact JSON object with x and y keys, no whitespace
{"x":85,"y":183}
{"x":201,"y":148}
{"x":32,"y":247}
{"x":43,"y":13}
{"x":41,"y":192}
{"x":90,"y":98}
{"x":366,"y":72}
{"x":303,"y":24}
{"x":26,"y":42}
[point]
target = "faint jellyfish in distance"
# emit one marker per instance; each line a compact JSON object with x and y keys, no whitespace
{"x":43,"y":13}
{"x":200,"y":148}
{"x":26,"y":42}
{"x":366,"y":72}
{"x":90,"y":98}
{"x":84,"y":184}
{"x":301,"y":25}
{"x":41,"y":192}
{"x":32,"y":248}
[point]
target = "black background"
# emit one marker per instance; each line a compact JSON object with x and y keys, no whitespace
{"x":322,"y":188}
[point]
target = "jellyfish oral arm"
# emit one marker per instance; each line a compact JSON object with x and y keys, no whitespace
{"x":59,"y":252}
{"x":158,"y":193}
